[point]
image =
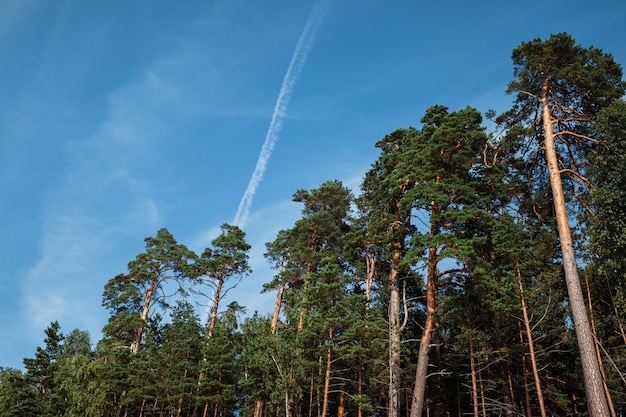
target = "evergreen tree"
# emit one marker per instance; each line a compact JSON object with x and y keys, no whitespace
{"x":42,"y":368}
{"x":560,"y":87}
{"x":18,"y":397}
{"x":605,"y":275}
{"x":155,"y":275}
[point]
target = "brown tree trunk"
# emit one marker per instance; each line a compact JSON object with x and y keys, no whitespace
{"x":482,"y":393}
{"x":341,"y":408}
{"x":370,"y":260}
{"x":394,"y":335}
{"x":598,"y":354}
{"x":419,"y":389}
{"x":531,"y":346}
{"x":277,"y":305}
{"x":594,"y":388}
{"x":474,"y":379}
{"x":147,"y":299}
{"x":216,"y":305}
{"x":529,"y":412}
{"x":327,"y":373}
{"x":258,"y":408}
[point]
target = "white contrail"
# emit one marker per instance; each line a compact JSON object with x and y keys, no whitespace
{"x":280,"y":109}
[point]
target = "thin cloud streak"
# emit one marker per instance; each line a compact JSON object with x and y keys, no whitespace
{"x":280,"y":109}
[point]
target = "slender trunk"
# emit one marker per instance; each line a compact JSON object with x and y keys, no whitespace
{"x":312,"y":390}
{"x":511,"y":406}
{"x":179,"y":409}
{"x":419,"y":389}
{"x":359,"y":412}
{"x":531,"y":345}
{"x":529,"y":412}
{"x":474,"y":379}
{"x":327,"y":373}
{"x":303,"y":310}
{"x":370,"y":260}
{"x":482,"y":393}
{"x":394,"y":335}
{"x":596,"y":399}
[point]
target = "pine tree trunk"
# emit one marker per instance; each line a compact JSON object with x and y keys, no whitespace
{"x":327,"y":373}
{"x":474,"y":379}
{"x":277,"y":305}
{"x":598,"y":354}
{"x":216,"y":305}
{"x":258,"y":407}
{"x":594,"y":389}
{"x":419,"y":389}
{"x":482,"y":393}
{"x":529,"y":412}
{"x":531,"y":346}
{"x":394,"y":335}
{"x":341,"y":408}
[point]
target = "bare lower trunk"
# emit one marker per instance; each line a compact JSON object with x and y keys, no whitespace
{"x":482,"y":393}
{"x":594,"y":388}
{"x":531,"y":346}
{"x":258,"y":407}
{"x":327,"y":373}
{"x":527,"y":405}
{"x":341,"y":408}
{"x":394,"y":336}
{"x":598,"y":354}
{"x":419,"y":389}
{"x":474,"y":379}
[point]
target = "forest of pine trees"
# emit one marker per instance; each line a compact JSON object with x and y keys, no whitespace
{"x":475,"y":272}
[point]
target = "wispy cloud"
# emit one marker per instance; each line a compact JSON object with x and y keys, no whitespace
{"x":280,"y":109}
{"x":108,"y":193}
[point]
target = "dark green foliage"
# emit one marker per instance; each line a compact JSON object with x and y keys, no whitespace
{"x":153,"y":277}
{"x":18,"y":397}
{"x":605,"y":274}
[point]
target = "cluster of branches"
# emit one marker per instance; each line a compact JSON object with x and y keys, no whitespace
{"x":452,"y":284}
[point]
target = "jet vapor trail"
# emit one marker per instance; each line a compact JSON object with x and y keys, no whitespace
{"x":280,"y":109}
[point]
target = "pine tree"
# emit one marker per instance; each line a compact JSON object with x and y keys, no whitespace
{"x":560,"y":88}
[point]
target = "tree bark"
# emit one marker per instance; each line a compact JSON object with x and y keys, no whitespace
{"x":327,"y":373}
{"x":594,"y":389}
{"x":474,"y":379}
{"x":529,"y":411}
{"x":341,"y":408}
{"x":531,"y":346}
{"x":216,"y":305}
{"x":419,"y":389}
{"x":277,"y":305}
{"x":394,"y":335}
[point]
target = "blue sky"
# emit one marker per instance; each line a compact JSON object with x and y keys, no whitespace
{"x":118,"y":118}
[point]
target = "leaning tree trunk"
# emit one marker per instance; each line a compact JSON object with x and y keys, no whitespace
{"x":594,"y":389}
{"x":531,"y":346}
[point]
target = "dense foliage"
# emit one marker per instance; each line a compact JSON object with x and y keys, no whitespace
{"x":439,"y":289}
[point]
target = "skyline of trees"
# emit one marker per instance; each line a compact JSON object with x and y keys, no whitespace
{"x":451,"y":283}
